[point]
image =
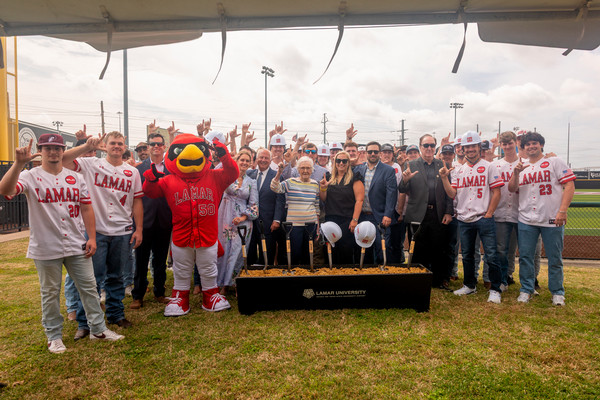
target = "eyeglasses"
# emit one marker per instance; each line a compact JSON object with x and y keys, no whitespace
{"x":428,"y":145}
{"x":141,"y":148}
{"x":310,"y":151}
{"x":372,"y":152}
{"x":152,"y":144}
{"x":341,"y":161}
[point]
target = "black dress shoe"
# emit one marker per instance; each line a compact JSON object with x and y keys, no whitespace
{"x":81,"y":333}
{"x":122,"y":323}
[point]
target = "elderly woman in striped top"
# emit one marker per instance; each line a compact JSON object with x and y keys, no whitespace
{"x":303,"y":206}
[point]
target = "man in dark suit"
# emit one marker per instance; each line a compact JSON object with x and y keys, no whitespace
{"x":381,"y":195}
{"x":429,"y":205}
{"x":157,"y":232}
{"x":271,"y":210}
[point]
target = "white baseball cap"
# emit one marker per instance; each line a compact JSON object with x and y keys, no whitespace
{"x":470,"y":137}
{"x":277,"y":140}
{"x":364,"y":234}
{"x":215,"y":135}
{"x":336,"y":146}
{"x":323,"y":150}
{"x":331,"y":231}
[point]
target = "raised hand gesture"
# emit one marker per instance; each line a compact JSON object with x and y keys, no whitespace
{"x":96,"y":143}
{"x":172,"y":131}
{"x":324,"y":183}
{"x":445,"y":171}
{"x":246,"y":127}
{"x":249,"y":139}
{"x":445,"y":140}
{"x":351,"y":132}
{"x":152,"y":128}
{"x":520,"y":166}
{"x":279,"y":129}
{"x":233,"y":134}
{"x":23,"y":154}
{"x":408,"y":174}
{"x":288,"y":155}
{"x":81,"y":134}
{"x":301,"y":140}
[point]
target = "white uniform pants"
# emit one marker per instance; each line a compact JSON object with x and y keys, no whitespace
{"x":205,"y":259}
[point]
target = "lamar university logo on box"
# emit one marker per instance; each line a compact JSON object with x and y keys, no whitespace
{"x":308,"y":293}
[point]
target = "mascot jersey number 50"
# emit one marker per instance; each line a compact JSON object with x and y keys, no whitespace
{"x":193,"y":192}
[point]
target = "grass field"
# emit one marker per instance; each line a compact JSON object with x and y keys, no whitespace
{"x":464,"y":348}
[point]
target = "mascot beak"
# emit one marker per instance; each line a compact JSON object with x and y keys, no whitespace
{"x":191,"y":159}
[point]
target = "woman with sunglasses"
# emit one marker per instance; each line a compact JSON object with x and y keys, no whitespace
{"x":343,"y":196}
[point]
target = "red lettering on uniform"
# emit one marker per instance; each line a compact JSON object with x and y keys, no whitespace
{"x":116,"y":183}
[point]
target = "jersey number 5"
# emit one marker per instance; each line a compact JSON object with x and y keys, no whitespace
{"x":479,"y":193}
{"x":545,"y":190}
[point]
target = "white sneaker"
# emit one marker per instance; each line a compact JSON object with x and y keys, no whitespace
{"x":56,"y":346}
{"x":107,"y":335}
{"x":465,"y":290}
{"x":494,"y":297}
{"x":128,"y":290}
{"x":524,"y":297}
{"x":558,"y":300}
{"x":503,"y":288}
{"x":536,"y":293}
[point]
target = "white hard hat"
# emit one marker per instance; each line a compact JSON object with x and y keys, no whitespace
{"x":323,"y":150}
{"x":215,"y":135}
{"x":470,"y":137}
{"x":364,"y":234}
{"x":336,"y":146}
{"x":331,"y":231}
{"x":277,"y":140}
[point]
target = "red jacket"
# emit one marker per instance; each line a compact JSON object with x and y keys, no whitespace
{"x":194,"y":202}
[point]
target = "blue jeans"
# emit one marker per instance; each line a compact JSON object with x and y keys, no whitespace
{"x":504,"y":231}
{"x":71,"y":294}
{"x":552,"y":236}
{"x":486,"y":228}
{"x":129,"y":268}
{"x":111,"y":255}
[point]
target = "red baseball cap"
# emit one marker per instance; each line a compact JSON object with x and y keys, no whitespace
{"x":51,"y":139}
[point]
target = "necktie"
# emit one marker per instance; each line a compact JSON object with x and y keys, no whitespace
{"x":259,"y":182}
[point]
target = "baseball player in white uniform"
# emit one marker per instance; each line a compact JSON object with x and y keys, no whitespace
{"x":116,"y":191}
{"x":546,"y":187}
{"x":58,"y":202}
{"x":476,"y":188}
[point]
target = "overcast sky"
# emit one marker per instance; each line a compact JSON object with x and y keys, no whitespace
{"x":379,"y":77}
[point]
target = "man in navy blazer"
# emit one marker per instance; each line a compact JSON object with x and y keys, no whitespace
{"x":271,"y":210}
{"x":157,"y":232}
{"x":381,"y":195}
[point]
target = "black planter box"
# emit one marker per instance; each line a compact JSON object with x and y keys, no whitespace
{"x":288,"y":292}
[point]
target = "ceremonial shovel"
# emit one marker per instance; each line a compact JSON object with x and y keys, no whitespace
{"x":242,"y":232}
{"x":382,"y":234}
{"x":310,"y":227}
{"x":287,"y":227}
{"x":411,"y":249}
{"x":263,"y":243}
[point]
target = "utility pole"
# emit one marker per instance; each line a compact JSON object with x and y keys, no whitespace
{"x":119,"y":113}
{"x":102,"y":115}
{"x":266,"y":71}
{"x":324,"y":122}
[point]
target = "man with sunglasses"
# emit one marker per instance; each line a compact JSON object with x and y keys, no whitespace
{"x":157,"y":228}
{"x":142,"y":151}
{"x":310,"y":150}
{"x":429,"y":205}
{"x":381,"y":195}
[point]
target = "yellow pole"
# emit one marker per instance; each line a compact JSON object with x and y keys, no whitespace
{"x":4,"y":133}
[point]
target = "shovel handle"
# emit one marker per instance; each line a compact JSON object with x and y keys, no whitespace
{"x":242,"y":232}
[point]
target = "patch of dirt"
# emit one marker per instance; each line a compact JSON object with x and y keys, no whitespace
{"x":335,"y":271}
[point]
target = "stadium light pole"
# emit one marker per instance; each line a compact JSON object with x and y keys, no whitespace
{"x":58,"y":124}
{"x":455,"y":106}
{"x":266,"y":71}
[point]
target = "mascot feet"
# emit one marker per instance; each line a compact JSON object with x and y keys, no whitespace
{"x":179,"y":304}
{"x":213,"y":301}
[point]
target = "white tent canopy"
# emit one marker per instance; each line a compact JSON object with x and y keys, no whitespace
{"x":134,"y":23}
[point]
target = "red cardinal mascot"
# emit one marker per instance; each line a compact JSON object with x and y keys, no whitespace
{"x":193,"y":192}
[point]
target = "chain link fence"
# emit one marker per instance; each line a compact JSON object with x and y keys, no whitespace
{"x":13,"y":213}
{"x":582,"y":232}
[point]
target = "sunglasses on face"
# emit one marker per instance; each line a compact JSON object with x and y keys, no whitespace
{"x":142,"y":148}
{"x":310,"y":151}
{"x":341,"y":161}
{"x":372,"y":152}
{"x":428,"y":145}
{"x":155,"y":144}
